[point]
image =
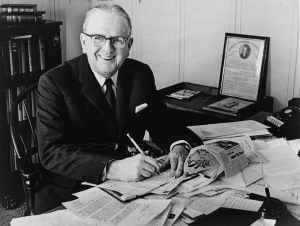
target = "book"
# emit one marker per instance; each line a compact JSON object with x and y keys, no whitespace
{"x":42,"y":53}
{"x":35,"y":53}
{"x":11,"y":60}
{"x":30,"y":57}
{"x":229,"y":106}
{"x":33,"y":103}
{"x":2,"y":62}
{"x":6,"y":58}
{"x":18,"y":8}
{"x":22,"y":18}
{"x":24,"y":56}
{"x":184,"y":94}
{"x":15,"y":57}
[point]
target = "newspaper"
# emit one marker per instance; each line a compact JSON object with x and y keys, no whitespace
{"x":223,"y":156}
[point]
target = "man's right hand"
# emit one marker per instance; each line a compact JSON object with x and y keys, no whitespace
{"x":134,"y":168}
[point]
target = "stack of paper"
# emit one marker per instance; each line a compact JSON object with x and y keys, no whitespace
{"x":125,"y":191}
{"x":233,"y":129}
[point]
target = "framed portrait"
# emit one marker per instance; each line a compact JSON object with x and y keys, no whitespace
{"x":244,"y":66}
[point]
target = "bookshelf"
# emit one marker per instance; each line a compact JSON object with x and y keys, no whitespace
{"x":26,"y":52}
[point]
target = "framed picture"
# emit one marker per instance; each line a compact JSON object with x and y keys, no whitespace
{"x":244,"y":66}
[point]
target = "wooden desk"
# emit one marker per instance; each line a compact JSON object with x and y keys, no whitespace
{"x":191,"y":110}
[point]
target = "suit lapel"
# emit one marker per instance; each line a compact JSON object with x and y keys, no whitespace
{"x":124,"y":88}
{"x":92,"y":90}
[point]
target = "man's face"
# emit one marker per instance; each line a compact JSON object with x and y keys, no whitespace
{"x":105,"y":60}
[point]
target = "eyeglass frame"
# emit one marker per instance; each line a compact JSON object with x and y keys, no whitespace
{"x":110,"y":39}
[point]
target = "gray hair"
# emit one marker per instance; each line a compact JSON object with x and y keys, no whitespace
{"x":118,"y":10}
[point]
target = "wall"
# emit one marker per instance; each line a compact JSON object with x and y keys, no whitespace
{"x":182,"y":40}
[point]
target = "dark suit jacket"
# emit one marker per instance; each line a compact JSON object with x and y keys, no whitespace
{"x":74,"y":118}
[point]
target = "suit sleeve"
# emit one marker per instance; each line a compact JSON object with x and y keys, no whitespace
{"x":58,"y":150}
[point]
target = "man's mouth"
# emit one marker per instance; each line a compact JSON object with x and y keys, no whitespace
{"x":107,"y":57}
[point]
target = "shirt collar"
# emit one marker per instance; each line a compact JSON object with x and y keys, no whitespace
{"x":101,"y":79}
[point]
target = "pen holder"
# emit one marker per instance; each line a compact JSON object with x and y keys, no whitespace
{"x":273,"y":208}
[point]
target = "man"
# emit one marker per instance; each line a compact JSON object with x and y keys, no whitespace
{"x":82,"y":115}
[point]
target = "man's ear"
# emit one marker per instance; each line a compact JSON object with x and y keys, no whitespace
{"x":130,"y":42}
{"x":82,"y":42}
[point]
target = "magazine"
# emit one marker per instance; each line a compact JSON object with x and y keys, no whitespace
{"x":184,"y":94}
{"x":228,"y":105}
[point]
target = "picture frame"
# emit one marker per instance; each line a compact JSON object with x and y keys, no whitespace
{"x":244,"y":66}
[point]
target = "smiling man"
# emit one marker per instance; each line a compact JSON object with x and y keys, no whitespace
{"x":87,"y":106}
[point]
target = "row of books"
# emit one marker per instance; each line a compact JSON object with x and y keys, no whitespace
{"x":12,"y":14}
{"x":26,"y":109}
{"x":20,"y":56}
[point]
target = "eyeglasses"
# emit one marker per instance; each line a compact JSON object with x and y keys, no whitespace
{"x":100,"y":40}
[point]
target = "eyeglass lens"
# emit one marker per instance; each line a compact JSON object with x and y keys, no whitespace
{"x":118,"y":42}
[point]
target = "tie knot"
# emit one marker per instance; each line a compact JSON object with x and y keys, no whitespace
{"x":108,"y":81}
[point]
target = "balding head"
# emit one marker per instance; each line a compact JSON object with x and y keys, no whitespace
{"x":113,"y":9}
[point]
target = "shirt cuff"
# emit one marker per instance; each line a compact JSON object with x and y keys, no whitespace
{"x":179,"y":142}
{"x":104,"y":172}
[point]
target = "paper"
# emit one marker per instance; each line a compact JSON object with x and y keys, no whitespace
{"x":284,"y":182}
{"x":178,"y":205}
{"x":160,"y":219}
{"x":167,"y":188}
{"x":60,"y":217}
{"x":190,"y":184}
{"x":204,"y":205}
{"x":244,"y":178}
{"x":129,"y":190}
{"x":294,"y":145}
{"x":224,"y":129}
{"x":179,"y":222}
{"x":279,"y":167}
{"x":106,"y":210}
{"x":242,"y":204}
{"x":264,"y":222}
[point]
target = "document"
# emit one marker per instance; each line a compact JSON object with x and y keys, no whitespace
{"x":209,"y":205}
{"x":219,"y":130}
{"x":178,"y":205}
{"x":60,"y":217}
{"x":284,"y":182}
{"x":294,"y":145}
{"x":125,"y":191}
{"x":190,"y":185}
{"x":160,"y":219}
{"x":101,"y":208}
{"x":244,"y":178}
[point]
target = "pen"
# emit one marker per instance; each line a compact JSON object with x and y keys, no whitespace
{"x":137,"y":147}
{"x":265,"y":183}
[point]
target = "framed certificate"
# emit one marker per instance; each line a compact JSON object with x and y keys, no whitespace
{"x":244,"y":66}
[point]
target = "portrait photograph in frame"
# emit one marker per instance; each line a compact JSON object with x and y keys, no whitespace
{"x":244,"y":66}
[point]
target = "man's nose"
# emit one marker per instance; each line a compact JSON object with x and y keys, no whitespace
{"x":108,"y":45}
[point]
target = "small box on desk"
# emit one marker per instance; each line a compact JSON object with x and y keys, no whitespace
{"x":208,"y":96}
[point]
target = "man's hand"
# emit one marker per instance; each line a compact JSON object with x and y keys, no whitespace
{"x":176,"y":159}
{"x":134,"y":168}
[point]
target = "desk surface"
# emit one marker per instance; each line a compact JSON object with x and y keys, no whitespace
{"x":208,"y":96}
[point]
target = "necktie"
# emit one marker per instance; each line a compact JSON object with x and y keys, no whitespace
{"x":110,"y":94}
